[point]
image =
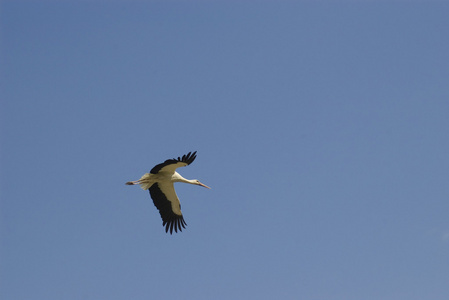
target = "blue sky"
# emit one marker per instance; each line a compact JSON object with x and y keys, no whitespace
{"x":322,"y":128}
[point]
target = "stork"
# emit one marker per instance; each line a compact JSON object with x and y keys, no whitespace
{"x":160,"y":184}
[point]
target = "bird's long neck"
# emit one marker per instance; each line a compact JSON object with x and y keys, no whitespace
{"x":178,"y":178}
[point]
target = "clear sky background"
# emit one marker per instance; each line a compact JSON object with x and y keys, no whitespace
{"x":322,"y":128}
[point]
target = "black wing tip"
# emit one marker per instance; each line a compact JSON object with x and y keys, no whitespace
{"x":176,"y":223}
{"x":187,"y":158}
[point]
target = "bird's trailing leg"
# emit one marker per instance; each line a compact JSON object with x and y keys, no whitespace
{"x":133,"y":182}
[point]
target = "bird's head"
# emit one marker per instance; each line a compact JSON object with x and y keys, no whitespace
{"x":197,"y":182}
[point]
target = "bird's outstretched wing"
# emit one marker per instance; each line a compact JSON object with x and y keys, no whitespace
{"x":170,"y":165}
{"x":167,"y":202}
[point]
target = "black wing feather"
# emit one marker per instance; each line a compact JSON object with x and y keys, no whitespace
{"x":169,"y":219}
{"x":186,"y":158}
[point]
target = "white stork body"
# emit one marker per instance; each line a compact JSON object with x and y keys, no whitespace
{"x":160,"y":184}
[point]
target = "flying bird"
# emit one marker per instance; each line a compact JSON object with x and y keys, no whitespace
{"x":160,"y":184}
